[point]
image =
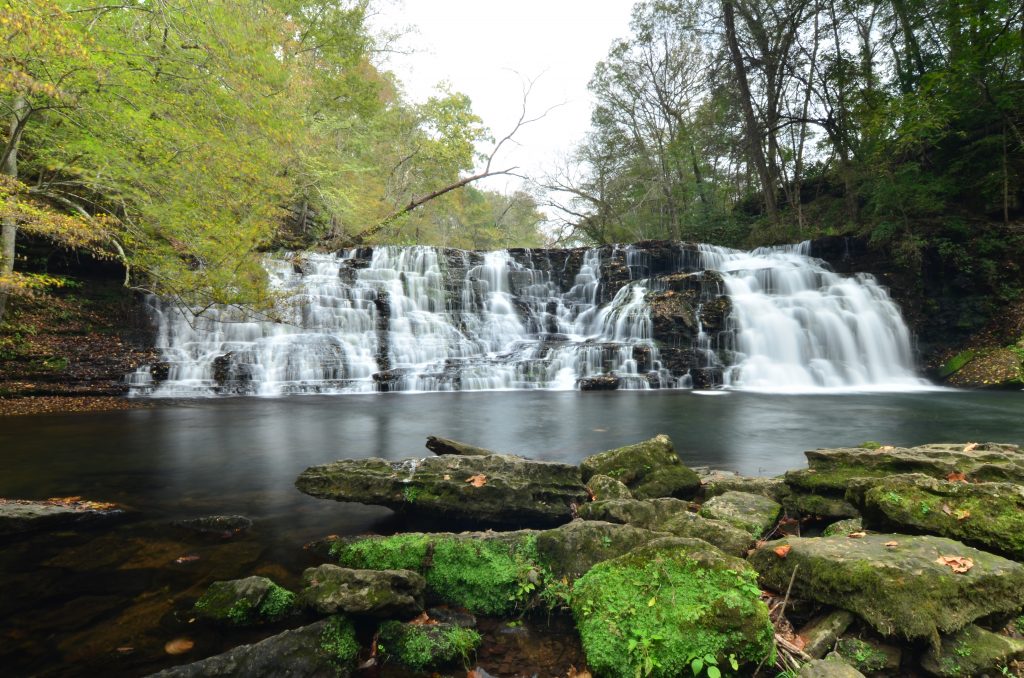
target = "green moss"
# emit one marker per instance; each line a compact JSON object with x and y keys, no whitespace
{"x":338,"y":641}
{"x":278,"y":602}
{"x":240,"y":612}
{"x":422,"y":647}
{"x":484,"y":576}
{"x":862,"y":656}
{"x":956,"y":363}
{"x":655,"y":610}
{"x":870,"y":445}
{"x":833,"y":479}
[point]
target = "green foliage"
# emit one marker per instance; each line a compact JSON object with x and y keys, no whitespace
{"x":338,"y":641}
{"x":278,"y":602}
{"x":666,"y":615}
{"x":871,"y":445}
{"x":422,"y":646}
{"x":956,"y":363}
{"x":484,"y":576}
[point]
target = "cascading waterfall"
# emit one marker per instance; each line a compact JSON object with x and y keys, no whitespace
{"x":636,"y":317}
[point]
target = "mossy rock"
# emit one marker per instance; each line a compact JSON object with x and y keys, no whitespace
{"x":714,"y":483}
{"x":843,"y":528}
{"x":831,"y":470}
{"x":245,"y":602}
{"x":326,"y":648}
{"x":820,"y":634}
{"x":870,"y":657}
{"x":672,"y":516}
{"x":603,"y":488}
{"x":753,"y":513}
{"x":832,"y":667}
{"x":571,"y":550}
{"x":895,"y":582}
{"x":994,"y":368}
{"x":986,"y":515}
{"x":972,"y":651}
{"x":484,"y":572}
{"x":649,"y":469}
{"x":661,"y":606}
{"x":818,"y":506}
{"x":329,"y":589}
{"x":498,"y":490}
{"x":427,"y":646}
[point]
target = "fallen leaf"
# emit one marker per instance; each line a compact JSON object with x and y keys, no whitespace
{"x":857,"y":535}
{"x":447,"y":477}
{"x":126,"y":649}
{"x":782,"y":551}
{"x":892,"y":544}
{"x":479,"y":480}
{"x":423,"y":620}
{"x":970,"y":447}
{"x":962,"y":514}
{"x":945,"y":509}
{"x":578,"y":673}
{"x":957,"y":477}
{"x":190,"y":558}
{"x":959,"y":564}
{"x":178,"y":646}
{"x":887,"y":448}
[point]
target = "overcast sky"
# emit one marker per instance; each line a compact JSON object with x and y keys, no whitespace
{"x":487,"y":48}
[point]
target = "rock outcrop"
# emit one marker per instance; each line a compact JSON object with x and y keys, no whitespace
{"x":649,"y":469}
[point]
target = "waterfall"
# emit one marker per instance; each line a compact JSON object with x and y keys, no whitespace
{"x":651,"y":315}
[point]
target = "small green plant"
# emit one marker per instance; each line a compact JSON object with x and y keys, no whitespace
{"x":924,"y":508}
{"x":277,"y":603}
{"x":338,"y":641}
{"x":410,"y":494}
{"x":871,"y":445}
{"x":964,"y":651}
{"x":894,"y":498}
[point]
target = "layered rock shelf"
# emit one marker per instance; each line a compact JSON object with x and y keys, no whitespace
{"x":665,"y":571}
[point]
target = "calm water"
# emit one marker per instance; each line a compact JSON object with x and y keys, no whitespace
{"x":107,"y":601}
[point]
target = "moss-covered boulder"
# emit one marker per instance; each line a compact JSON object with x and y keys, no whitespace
{"x":603,"y":488}
{"x":820,"y":634}
{"x":672,"y":516}
{"x":484,"y":572}
{"x":900,"y":585}
{"x":326,"y":649}
{"x":427,"y":646}
{"x":843,"y":528}
{"x":245,"y":602}
{"x":489,"y":490}
{"x":987,"y":515}
{"x":753,"y":513}
{"x":830,"y":470}
{"x":833,"y":667}
{"x":572,"y":549}
{"x":649,"y":469}
{"x":714,"y":483}
{"x":972,"y":651}
{"x":821,"y":506}
{"x":329,"y":589}
{"x":657,"y":609}
{"x":869,"y":656}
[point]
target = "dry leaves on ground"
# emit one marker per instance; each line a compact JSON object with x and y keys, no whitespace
{"x":970,"y":447}
{"x":959,"y":564}
{"x":857,"y":535}
{"x":782,"y":551}
{"x":957,"y":477}
{"x":891,"y":544}
{"x":479,"y":480}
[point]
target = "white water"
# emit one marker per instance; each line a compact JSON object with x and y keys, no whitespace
{"x":414,"y":320}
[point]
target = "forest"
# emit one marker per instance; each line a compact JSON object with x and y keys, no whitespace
{"x":183,"y":139}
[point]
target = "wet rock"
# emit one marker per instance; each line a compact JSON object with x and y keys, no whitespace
{"x":753,"y":513}
{"x":672,"y":516}
{"x":20,"y":516}
{"x":831,"y":469}
{"x":326,"y":649}
{"x":869,"y":656}
{"x":705,"y":378}
{"x":427,"y":646}
{"x":571,"y":550}
{"x":818,"y":506}
{"x":329,"y":589}
{"x":972,"y":651}
{"x":225,"y":526}
{"x":492,"y":490}
{"x":895,"y":582}
{"x":820,"y":634}
{"x":833,"y":667}
{"x":447,"y":615}
{"x":159,"y":371}
{"x":649,"y":469}
{"x":603,"y":382}
{"x":442,"y":446}
{"x":689,"y":595}
{"x":843,"y":528}
{"x":245,"y":602}
{"x":604,"y":488}
{"x":987,"y":515}
{"x":714,"y":483}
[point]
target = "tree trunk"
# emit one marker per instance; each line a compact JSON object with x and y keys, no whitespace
{"x":9,"y":167}
{"x":753,"y":134}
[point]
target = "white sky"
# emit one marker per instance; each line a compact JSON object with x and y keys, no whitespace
{"x":489,"y":48}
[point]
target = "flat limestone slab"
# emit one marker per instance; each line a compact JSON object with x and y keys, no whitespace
{"x":18,"y":516}
{"x":894,"y":582}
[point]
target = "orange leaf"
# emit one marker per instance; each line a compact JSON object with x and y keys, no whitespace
{"x":782,"y":551}
{"x":186,"y":559}
{"x":857,"y":535}
{"x":892,"y":544}
{"x":479,"y":480}
{"x":962,"y":514}
{"x":957,"y":477}
{"x":178,"y":646}
{"x":970,"y":447}
{"x":959,"y":564}
{"x":423,"y":620}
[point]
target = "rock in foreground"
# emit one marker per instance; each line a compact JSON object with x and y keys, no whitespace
{"x":895,"y":582}
{"x":329,"y":589}
{"x":649,"y":469}
{"x":488,"y":490}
